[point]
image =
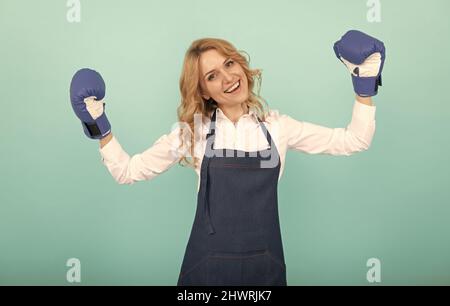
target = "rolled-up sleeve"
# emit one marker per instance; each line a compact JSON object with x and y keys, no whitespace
{"x":315,"y":139}
{"x":162,"y":155}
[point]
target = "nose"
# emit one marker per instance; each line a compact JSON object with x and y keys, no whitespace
{"x":227,"y":77}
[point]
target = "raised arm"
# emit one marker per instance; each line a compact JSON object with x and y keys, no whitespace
{"x":316,"y":139}
{"x":105,"y":140}
{"x":162,"y":155}
{"x":364,"y":100}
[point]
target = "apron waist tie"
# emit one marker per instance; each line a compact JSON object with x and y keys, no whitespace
{"x":204,"y":198}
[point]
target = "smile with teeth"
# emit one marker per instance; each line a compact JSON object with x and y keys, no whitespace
{"x":234,"y":87}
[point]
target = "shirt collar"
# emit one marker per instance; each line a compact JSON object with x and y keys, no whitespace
{"x":251,"y":113}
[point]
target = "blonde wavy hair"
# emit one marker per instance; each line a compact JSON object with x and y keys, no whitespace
{"x":193,"y":103}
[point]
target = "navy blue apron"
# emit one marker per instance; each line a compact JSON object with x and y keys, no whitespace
{"x":235,"y":239}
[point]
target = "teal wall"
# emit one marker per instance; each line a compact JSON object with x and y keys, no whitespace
{"x":58,"y":201}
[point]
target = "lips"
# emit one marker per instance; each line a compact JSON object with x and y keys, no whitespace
{"x":236,"y":86}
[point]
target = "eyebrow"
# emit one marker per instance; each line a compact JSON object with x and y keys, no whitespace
{"x":215,"y":69}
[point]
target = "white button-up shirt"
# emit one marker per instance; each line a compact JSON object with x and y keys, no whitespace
{"x":245,"y":135}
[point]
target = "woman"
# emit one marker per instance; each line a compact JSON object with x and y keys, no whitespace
{"x":238,"y":148}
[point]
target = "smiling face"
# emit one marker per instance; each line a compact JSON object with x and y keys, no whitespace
{"x":219,"y":77}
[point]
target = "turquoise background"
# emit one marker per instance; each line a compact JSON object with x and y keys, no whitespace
{"x":58,"y":201}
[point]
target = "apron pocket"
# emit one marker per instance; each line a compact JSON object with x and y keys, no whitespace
{"x":195,"y":275}
{"x":255,"y":268}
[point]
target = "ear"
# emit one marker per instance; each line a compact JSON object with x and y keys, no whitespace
{"x":203,"y":92}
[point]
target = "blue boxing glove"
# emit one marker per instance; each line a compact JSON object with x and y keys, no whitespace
{"x":87,"y":91}
{"x":364,"y":57}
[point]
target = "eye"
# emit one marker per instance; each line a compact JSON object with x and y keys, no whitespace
{"x":230,"y":63}
{"x":211,"y":77}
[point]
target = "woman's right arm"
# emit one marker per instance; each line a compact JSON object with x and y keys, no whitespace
{"x":158,"y":158}
{"x":105,"y":140}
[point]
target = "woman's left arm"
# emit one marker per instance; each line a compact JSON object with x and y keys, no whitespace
{"x":317,"y":139}
{"x":364,"y":100}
